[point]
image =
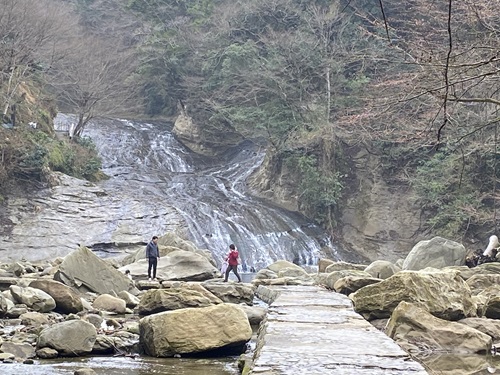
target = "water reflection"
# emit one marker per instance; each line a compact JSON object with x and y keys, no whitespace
{"x":460,"y":364}
{"x":126,"y":366}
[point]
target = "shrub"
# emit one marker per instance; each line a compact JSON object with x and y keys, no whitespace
{"x":319,"y":189}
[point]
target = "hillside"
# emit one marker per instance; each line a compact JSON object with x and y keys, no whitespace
{"x":386,"y":104}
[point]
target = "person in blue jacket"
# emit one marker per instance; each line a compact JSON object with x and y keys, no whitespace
{"x":152,"y":254}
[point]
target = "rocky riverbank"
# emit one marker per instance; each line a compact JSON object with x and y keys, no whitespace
{"x":83,"y":305}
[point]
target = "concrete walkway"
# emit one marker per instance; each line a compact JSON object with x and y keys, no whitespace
{"x":312,"y":331}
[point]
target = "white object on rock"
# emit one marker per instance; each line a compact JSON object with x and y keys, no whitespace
{"x":491,"y":246}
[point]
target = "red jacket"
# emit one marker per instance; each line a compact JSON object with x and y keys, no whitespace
{"x":232,"y":258}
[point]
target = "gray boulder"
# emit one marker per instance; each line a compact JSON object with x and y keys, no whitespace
{"x":67,"y":300}
{"x":85,"y":271}
{"x":158,"y":300}
{"x":232,"y":292}
{"x":35,"y":299}
{"x":436,"y":253}
{"x":443,"y":294}
{"x":177,"y":265}
{"x":70,"y":338}
{"x":19,"y":350}
{"x":195,"y":330}
{"x":382,"y":269}
{"x":416,"y":330}
{"x":106,"y":302}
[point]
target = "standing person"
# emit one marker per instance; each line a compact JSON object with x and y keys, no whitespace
{"x":232,"y":260}
{"x":152,"y":254}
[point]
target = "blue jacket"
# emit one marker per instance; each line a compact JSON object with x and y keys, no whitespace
{"x":152,"y":250}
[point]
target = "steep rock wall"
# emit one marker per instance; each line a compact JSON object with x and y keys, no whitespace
{"x":376,"y":219}
{"x":204,"y":138}
{"x":379,"y":220}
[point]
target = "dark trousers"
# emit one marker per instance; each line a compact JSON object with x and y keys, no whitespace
{"x":153,"y":262}
{"x":235,"y":270}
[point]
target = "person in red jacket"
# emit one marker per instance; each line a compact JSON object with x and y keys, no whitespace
{"x":232,"y":260}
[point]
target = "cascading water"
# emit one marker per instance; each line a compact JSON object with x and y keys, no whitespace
{"x":209,"y":194}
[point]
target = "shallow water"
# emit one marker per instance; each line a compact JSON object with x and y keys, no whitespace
{"x":126,"y":366}
{"x":461,"y":364}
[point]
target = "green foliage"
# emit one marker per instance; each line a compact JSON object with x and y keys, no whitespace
{"x":34,"y":159}
{"x":320,"y":190}
{"x":449,"y":193}
{"x":31,"y":153}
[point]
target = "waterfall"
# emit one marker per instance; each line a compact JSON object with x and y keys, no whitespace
{"x":209,"y":195}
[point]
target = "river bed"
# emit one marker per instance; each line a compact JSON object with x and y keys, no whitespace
{"x":126,"y":366}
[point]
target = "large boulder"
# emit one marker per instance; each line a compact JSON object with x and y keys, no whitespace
{"x":298,"y":273}
{"x":323,"y":263}
{"x":382,"y":269}
{"x":106,"y":302}
{"x":280,"y":265}
{"x":70,"y":338}
{"x":334,"y":276}
{"x":232,"y":292}
{"x":416,"y":330}
{"x":130,"y":300}
{"x":177,"y":265}
{"x":443,"y":294}
{"x":82,"y":269}
{"x":436,"y":253}
{"x":167,"y":244}
{"x":487,"y":268}
{"x":158,"y":300}
{"x":33,"y":318}
{"x":265,"y":274}
{"x":67,"y":300}
{"x":350,"y":284}
{"x":35,"y":299}
{"x":486,"y":299}
{"x":21,"y":351}
{"x":194,"y":330}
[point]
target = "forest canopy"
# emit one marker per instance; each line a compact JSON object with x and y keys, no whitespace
{"x":418,"y":80}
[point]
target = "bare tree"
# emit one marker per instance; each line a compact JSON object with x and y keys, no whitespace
{"x":30,"y":39}
{"x":445,"y":66}
{"x":95,"y":79}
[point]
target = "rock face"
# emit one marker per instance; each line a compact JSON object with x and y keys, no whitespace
{"x":415,"y":329}
{"x":67,"y":300}
{"x":194,"y":330}
{"x":437,"y":253}
{"x":74,"y":337}
{"x":83,"y":209}
{"x":378,"y":220}
{"x":443,"y":294}
{"x":203,"y":138}
{"x":97,"y":275}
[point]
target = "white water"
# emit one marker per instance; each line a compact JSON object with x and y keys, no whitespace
{"x":145,"y":161}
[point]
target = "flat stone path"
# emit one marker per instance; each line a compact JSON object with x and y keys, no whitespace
{"x":313,"y":331}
